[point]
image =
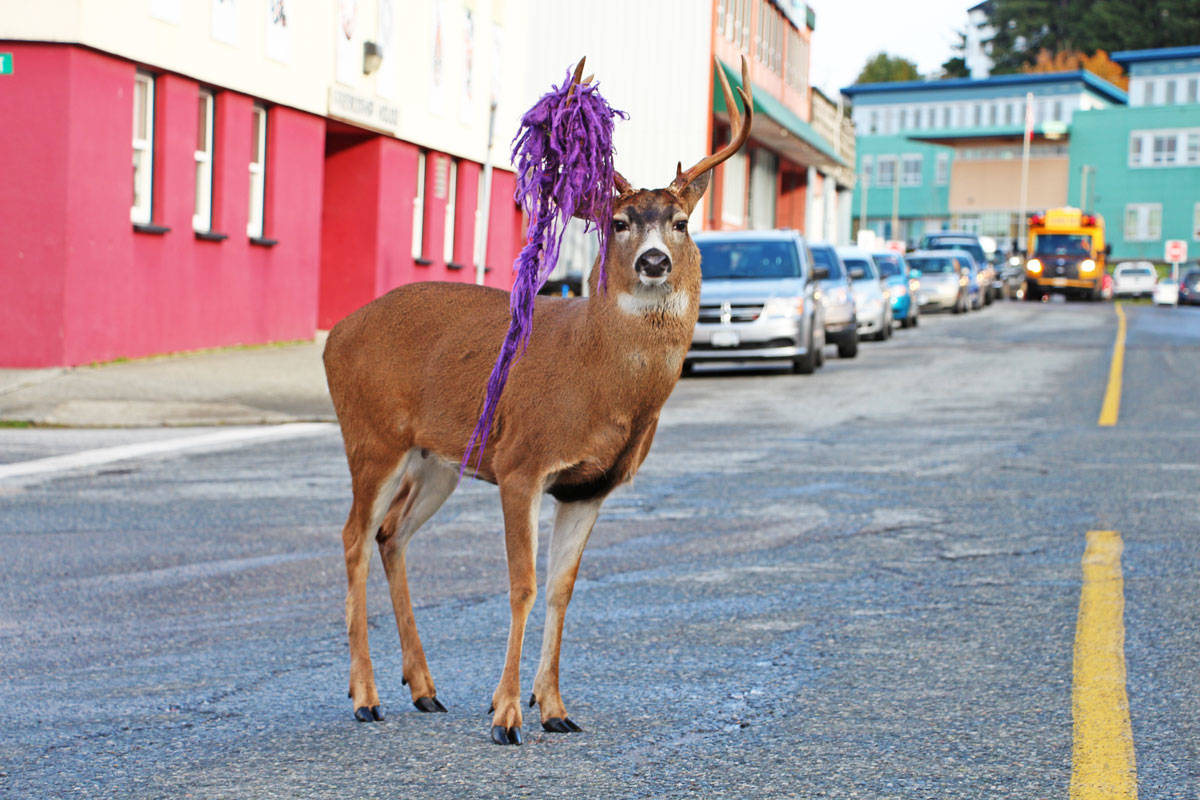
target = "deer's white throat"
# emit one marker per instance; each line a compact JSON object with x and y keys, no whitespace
{"x":654,"y":299}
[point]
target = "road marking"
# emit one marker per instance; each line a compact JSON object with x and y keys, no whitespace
{"x":232,"y":437}
{"x":1112,"y":397}
{"x":1102,"y":760}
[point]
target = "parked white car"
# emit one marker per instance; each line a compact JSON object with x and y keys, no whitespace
{"x":1134,"y":279}
{"x":1166,"y":293}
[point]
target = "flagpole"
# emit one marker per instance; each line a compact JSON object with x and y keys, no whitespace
{"x":1025,"y":169}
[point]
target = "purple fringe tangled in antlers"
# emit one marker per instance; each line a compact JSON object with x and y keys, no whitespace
{"x":564,"y":158}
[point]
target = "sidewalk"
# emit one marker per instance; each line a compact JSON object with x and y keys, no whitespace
{"x":235,"y":386}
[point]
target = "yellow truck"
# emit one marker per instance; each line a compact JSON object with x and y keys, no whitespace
{"x":1066,"y":254}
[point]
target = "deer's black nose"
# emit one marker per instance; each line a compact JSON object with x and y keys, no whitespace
{"x":653,"y":263}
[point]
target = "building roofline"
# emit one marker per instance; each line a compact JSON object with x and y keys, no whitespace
{"x":1155,"y":54}
{"x":1100,"y":85}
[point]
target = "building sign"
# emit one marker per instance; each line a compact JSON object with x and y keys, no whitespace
{"x":370,"y":112}
{"x":6,"y":64}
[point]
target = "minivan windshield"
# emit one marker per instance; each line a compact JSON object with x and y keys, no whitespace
{"x":743,"y":259}
{"x":930,"y":266}
{"x":888,"y":263}
{"x":825,"y":257}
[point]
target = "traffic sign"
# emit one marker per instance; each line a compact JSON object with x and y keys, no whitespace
{"x":6,"y":63}
{"x":1176,"y":251}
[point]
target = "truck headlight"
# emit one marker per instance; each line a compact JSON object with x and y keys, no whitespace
{"x":1087,"y":265}
{"x":1033,"y":266}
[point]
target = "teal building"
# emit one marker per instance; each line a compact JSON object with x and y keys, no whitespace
{"x":1139,"y":165}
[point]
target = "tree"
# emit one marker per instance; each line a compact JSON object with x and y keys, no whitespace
{"x":1066,"y":61}
{"x":882,"y":68}
{"x":1026,"y":27}
{"x":956,"y":65}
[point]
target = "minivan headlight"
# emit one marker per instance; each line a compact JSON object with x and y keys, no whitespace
{"x":784,"y":307}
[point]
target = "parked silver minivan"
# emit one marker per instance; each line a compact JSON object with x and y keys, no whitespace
{"x":758,"y":300}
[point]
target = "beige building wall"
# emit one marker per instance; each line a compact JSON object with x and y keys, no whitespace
{"x":981,"y":186}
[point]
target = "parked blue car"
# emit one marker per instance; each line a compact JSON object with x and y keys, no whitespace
{"x":901,"y":285}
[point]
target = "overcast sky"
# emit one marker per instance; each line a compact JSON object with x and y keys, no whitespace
{"x":849,"y":32}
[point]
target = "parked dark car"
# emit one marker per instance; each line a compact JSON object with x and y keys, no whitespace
{"x":1189,"y":288}
{"x":837,"y":295}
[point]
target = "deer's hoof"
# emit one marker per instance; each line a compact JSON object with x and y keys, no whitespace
{"x":560,"y":725}
{"x":429,"y":705}
{"x":503,"y":735}
{"x":372,"y":714}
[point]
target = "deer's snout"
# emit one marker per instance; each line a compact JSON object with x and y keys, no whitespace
{"x":653,"y":263}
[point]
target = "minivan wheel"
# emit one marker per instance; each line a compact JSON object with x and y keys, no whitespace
{"x":807,"y":363}
{"x":848,"y":347}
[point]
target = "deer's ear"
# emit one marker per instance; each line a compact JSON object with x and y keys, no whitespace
{"x":691,"y":194}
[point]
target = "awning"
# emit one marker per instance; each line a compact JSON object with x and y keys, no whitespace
{"x":778,"y":127}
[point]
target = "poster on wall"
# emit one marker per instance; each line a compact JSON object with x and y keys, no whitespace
{"x":224,"y":21}
{"x":349,"y":54}
{"x":437,"y":72}
{"x":385,"y":79}
{"x":467,"y":105}
{"x":167,"y":10}
{"x":279,"y":46}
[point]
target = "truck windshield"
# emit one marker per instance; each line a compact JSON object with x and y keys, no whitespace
{"x":1062,"y":244}
{"x":825,"y":257}
{"x":735,"y":260}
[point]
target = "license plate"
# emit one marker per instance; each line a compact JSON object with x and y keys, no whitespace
{"x":725,"y":339}
{"x":1060,"y":281}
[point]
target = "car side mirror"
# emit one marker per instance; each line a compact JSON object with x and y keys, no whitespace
{"x":1108,"y":249}
{"x":857,"y":273}
{"x":820,"y":273}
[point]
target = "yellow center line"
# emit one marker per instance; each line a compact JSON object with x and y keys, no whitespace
{"x":1112,"y":397}
{"x":1102,"y":759}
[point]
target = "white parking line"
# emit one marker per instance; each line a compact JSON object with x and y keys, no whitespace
{"x":215,"y":440}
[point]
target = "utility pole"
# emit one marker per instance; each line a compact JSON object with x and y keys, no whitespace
{"x":864,"y":184}
{"x":484,"y":213}
{"x":1025,"y":168}
{"x":896,"y":201}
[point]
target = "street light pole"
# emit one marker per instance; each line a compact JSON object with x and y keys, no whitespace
{"x":862,"y":203}
{"x":484,"y":214}
{"x":1025,"y":167}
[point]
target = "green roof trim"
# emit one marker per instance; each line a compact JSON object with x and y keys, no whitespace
{"x":765,"y":103}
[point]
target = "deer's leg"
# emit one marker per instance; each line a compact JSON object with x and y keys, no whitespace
{"x":425,"y":484}
{"x":521,"y":500}
{"x":358,"y":558}
{"x":572,"y":525}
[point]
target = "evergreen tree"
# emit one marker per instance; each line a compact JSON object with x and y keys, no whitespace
{"x":882,"y":68}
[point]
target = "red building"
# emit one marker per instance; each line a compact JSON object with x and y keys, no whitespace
{"x":251,"y":221}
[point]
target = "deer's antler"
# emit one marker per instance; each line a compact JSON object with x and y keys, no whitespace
{"x":741,"y":130}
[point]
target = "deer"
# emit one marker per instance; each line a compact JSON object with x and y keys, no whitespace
{"x":576,"y":420}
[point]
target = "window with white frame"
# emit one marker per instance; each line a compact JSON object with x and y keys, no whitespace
{"x":885,"y":171}
{"x":1172,"y":147}
{"x":1170,"y":92}
{"x":1192,"y":148}
{"x":202,"y":213}
{"x":1008,"y":114}
{"x":258,"y":172}
{"x":143,"y":148}
{"x":451,"y":212}
{"x":993,"y":113}
{"x":945,"y":116}
{"x":911,"y":170}
{"x":1136,"y":152}
{"x":418,"y":223}
{"x":1193,"y":90}
{"x":1148,"y":93}
{"x":942,"y":169}
{"x":1143,"y":222}
{"x":1196,"y":221}
{"x":1163,"y":148}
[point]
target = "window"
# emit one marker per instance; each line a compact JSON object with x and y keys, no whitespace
{"x":1143,"y":222}
{"x":1163,"y":151}
{"x":1136,"y":153}
{"x":1193,"y":90}
{"x":873,"y":124}
{"x":143,"y":148}
{"x":978,"y":115}
{"x":1170,"y":86}
{"x":942,"y":169}
{"x":945,"y":116}
{"x":1193,"y":148}
{"x":1196,"y":221}
{"x":1148,"y":93}
{"x":258,"y":172}
{"x":418,"y":227}
{"x":912,"y":165}
{"x":886,"y":171}
{"x":451,"y":201}
{"x":1057,"y":113}
{"x":202,"y":214}
{"x":1008,"y":114}
{"x":993,"y":113}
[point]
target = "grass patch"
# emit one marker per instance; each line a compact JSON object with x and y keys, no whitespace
{"x":15,"y":423}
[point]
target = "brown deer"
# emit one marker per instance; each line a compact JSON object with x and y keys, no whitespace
{"x":407,"y":373}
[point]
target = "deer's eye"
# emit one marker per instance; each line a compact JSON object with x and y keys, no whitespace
{"x":620,"y":226}
{"x":680,"y":225}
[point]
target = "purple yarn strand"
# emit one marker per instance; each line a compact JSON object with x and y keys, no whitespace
{"x":564,"y":159}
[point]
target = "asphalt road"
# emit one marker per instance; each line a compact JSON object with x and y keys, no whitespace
{"x":860,"y":584}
